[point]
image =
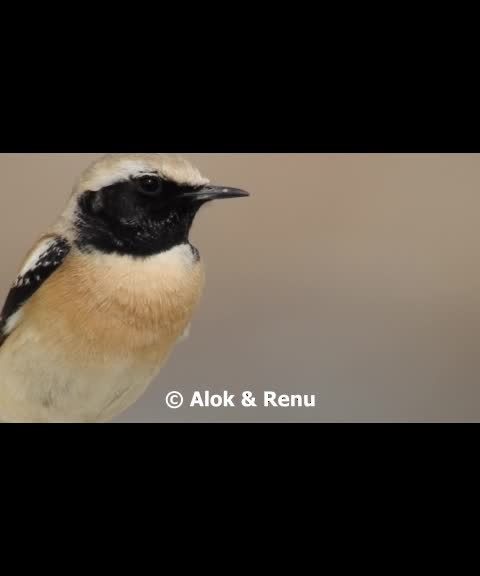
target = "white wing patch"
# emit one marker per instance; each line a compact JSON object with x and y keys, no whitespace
{"x":12,"y":322}
{"x":37,"y":260}
{"x":35,"y":255}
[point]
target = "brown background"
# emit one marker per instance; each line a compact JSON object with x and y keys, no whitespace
{"x":356,"y":277}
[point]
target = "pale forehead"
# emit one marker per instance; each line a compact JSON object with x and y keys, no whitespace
{"x":114,"y":168}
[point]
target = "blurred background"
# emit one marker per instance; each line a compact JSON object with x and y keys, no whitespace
{"x":354,"y":277}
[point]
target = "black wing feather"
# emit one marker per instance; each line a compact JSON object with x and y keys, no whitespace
{"x":27,"y":284}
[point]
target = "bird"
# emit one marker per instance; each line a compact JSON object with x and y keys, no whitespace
{"x":106,"y":293}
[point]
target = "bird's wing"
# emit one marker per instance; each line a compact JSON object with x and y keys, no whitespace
{"x":48,"y":254}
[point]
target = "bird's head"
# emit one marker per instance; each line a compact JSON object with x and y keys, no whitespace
{"x":139,"y":204}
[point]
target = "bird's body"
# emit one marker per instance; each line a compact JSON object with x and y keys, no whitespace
{"x":88,"y":325}
{"x":115,"y":321}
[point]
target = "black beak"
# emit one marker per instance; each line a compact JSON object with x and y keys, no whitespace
{"x":207,"y":193}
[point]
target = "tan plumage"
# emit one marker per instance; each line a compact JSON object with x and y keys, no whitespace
{"x":90,"y":339}
{"x":105,"y":325}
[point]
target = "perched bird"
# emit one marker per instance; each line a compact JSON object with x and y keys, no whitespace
{"x":103,"y":297}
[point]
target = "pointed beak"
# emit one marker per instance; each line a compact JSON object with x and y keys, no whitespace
{"x":207,"y":193}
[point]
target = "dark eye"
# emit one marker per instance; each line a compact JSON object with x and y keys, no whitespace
{"x":149,"y":185}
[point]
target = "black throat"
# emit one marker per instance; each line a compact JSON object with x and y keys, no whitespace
{"x":117,"y":219}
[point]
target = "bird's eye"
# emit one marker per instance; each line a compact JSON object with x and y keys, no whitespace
{"x":149,"y":185}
